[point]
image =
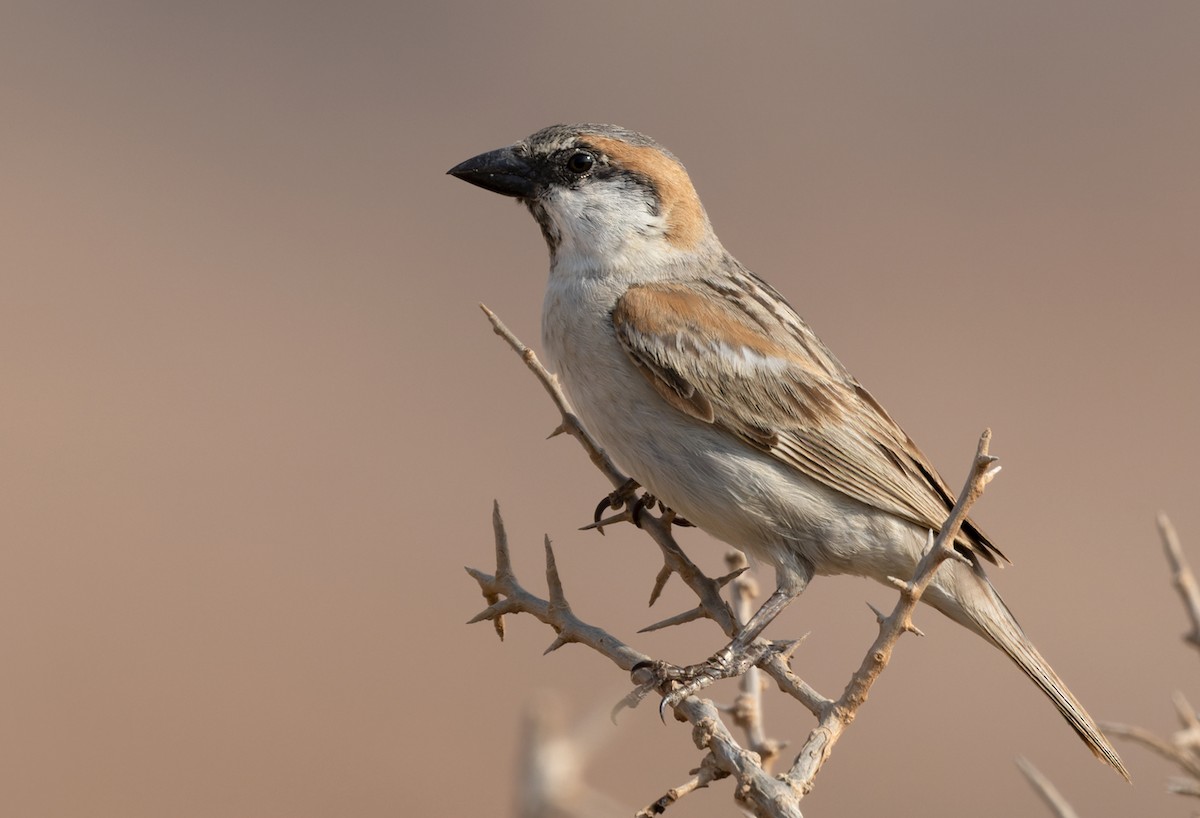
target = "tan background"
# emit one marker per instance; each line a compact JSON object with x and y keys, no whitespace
{"x":252,"y":422}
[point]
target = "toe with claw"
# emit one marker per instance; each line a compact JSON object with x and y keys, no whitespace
{"x":681,"y":682}
{"x":626,"y":497}
{"x":617,"y":499}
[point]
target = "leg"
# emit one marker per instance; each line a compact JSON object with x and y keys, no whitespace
{"x":788,"y":585}
{"x":745,"y":650}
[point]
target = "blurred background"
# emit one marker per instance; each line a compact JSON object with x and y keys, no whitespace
{"x":252,"y":421}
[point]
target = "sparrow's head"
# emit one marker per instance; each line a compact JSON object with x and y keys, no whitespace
{"x":603,"y":195}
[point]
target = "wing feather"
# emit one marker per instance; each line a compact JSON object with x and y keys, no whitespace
{"x":733,"y":354}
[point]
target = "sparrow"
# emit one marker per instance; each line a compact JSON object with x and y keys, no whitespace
{"x":707,"y":388}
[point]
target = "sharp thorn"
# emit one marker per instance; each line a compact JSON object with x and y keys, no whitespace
{"x":503,"y":559}
{"x":497,"y":609}
{"x":553,"y":580}
{"x":789,"y":649}
{"x":599,"y":524}
{"x":479,"y":576}
{"x":678,"y":619}
{"x":954,"y":555}
{"x":722,"y":581}
{"x":660,"y":582}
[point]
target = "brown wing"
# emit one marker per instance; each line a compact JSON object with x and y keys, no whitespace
{"x":732,"y":354}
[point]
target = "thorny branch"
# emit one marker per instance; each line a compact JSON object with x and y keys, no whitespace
{"x":766,"y":795}
{"x":1183,"y":748}
{"x":1183,"y":757}
{"x":746,"y":710}
{"x":756,"y":789}
{"x":1182,"y":577}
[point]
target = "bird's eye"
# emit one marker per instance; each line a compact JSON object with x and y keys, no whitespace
{"x":580,"y":162}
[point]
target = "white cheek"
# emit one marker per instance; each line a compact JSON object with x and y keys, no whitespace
{"x":604,"y":224}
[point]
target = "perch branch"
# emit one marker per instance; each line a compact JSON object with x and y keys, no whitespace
{"x":763,"y":794}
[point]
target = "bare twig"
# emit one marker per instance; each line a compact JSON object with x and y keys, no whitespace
{"x":707,"y":773}
{"x":756,"y":789}
{"x":834,"y":720}
{"x":554,"y":611}
{"x":1188,"y":738}
{"x":1182,"y":576}
{"x":1184,"y":786}
{"x":1164,"y":748}
{"x":570,"y":422}
{"x":1183,"y":748}
{"x":1046,"y":789}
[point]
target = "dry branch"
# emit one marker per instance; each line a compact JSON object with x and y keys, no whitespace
{"x":555,"y":611}
{"x":1183,"y":748}
{"x":1049,"y":793}
{"x":1182,"y":577}
{"x":756,"y":788}
{"x":1150,"y":741}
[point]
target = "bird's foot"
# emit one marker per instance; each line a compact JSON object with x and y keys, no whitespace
{"x":627,"y":497}
{"x":624,"y":496}
{"x":680,"y":682}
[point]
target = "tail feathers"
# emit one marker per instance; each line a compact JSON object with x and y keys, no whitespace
{"x":1001,"y":628}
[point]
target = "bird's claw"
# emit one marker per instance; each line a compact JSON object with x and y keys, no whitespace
{"x":626,"y":496}
{"x":614,"y":500}
{"x":681,"y":682}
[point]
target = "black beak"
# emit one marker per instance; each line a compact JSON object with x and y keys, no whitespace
{"x":500,"y":171}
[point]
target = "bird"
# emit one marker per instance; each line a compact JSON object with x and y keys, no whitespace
{"x":701,"y":381}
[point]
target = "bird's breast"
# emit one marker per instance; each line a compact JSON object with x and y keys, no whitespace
{"x":692,"y":466}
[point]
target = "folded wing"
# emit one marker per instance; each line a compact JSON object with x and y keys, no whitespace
{"x":727,"y":353}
